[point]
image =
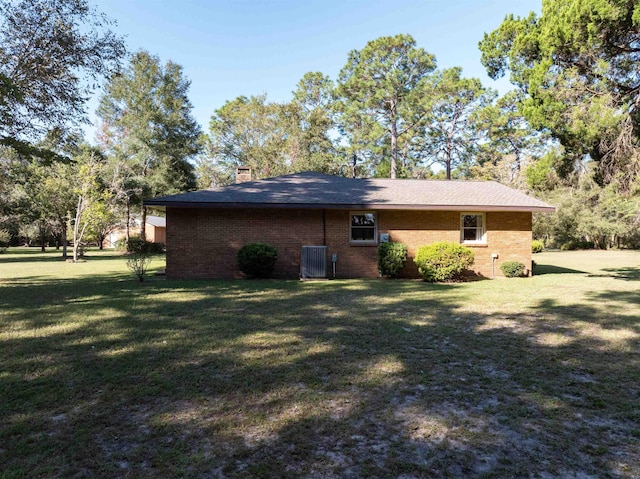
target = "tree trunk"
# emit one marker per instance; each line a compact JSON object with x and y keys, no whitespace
{"x":65,"y":243}
{"x":394,"y":149}
{"x":143,"y":224}
{"x":63,"y":238}
{"x":76,"y":229}
{"x":126,"y":228}
{"x":448,"y":164}
{"x":449,"y":148}
{"x":43,"y":236}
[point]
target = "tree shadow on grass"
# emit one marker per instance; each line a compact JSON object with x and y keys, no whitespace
{"x":627,"y":274}
{"x":27,"y":256}
{"x":541,"y":269}
{"x":625,"y":299}
{"x":33,"y":258}
{"x":336,"y":379}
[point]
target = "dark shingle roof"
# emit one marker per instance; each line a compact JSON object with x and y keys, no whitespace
{"x":317,"y":190}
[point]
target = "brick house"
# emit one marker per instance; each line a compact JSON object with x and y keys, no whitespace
{"x":344,"y":219}
{"x":156,"y":229}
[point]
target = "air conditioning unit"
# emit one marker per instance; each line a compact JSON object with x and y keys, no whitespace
{"x":313,"y":262}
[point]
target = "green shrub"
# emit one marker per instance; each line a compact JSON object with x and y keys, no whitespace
{"x":568,"y":246}
{"x":576,"y":244}
{"x":155,"y":248}
{"x":443,"y":261}
{"x":257,"y":260}
{"x":391,"y":258}
{"x":512,"y":269}
{"x":537,"y":246}
{"x":5,"y":239}
{"x":140,"y":246}
{"x":139,"y":263}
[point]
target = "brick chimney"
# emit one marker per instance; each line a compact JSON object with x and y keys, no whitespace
{"x":243,"y":173}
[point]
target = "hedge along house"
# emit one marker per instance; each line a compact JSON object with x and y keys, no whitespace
{"x":320,"y":223}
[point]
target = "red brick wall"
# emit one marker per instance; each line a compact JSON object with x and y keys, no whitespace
{"x":203,"y":243}
{"x":509,"y":235}
{"x":156,"y":234}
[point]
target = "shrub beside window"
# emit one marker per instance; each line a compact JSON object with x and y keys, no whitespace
{"x":537,"y":246}
{"x":391,"y":258}
{"x":257,"y":260}
{"x":512,"y":269}
{"x":443,"y":261}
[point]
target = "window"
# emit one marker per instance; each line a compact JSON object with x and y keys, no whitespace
{"x":363,"y":227}
{"x":472,"y":228}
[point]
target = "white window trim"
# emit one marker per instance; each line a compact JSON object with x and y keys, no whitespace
{"x":483,"y":239}
{"x":374,"y":241}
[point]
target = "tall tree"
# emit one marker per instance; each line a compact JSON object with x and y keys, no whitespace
{"x":364,"y":145}
{"x":11,"y":191}
{"x":103,"y":216}
{"x":310,"y":143}
{"x":577,"y":66}
{"x":52,"y":55}
{"x":249,"y":131}
{"x":272,"y":138}
{"x":51,"y":199}
{"x":147,"y":123}
{"x":87,"y":188}
{"x":39,"y":195}
{"x":507,"y":133}
{"x":386,"y":82}
{"x":452,"y":135}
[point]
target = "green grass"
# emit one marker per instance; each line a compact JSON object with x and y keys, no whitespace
{"x":103,"y":376}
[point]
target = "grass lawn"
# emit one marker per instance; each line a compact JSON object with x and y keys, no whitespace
{"x":103,"y":376}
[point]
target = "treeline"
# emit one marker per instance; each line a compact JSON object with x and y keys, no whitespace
{"x":390,"y":113}
{"x":568,"y":133}
{"x":575,"y":72}
{"x":146,"y":141}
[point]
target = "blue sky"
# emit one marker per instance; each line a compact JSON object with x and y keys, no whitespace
{"x":249,"y":47}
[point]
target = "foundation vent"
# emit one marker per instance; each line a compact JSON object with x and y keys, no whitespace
{"x":313,"y":262}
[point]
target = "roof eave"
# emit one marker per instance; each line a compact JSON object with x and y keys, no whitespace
{"x":361,"y":206}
